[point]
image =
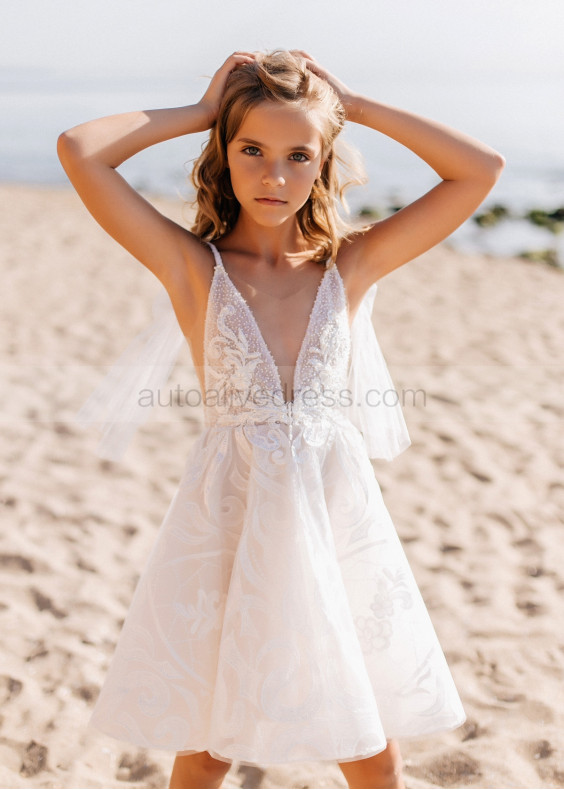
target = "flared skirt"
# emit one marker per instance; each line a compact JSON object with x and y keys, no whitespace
{"x":277,"y":618}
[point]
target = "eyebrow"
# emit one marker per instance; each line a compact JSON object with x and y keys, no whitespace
{"x":302,"y":147}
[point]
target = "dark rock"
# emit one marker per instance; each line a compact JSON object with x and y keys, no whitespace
{"x":548,"y":256}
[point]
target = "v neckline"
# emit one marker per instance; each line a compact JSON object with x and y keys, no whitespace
{"x":260,"y":335}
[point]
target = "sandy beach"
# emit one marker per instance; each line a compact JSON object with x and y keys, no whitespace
{"x":477,"y":500}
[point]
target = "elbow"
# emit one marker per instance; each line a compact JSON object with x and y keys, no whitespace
{"x":63,"y":144}
{"x":68,"y":149}
{"x":500,"y":159}
{"x":494,"y":168}
{"x":68,"y":155}
{"x":498,"y":163}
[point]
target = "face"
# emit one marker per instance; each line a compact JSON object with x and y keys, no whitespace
{"x":274,"y":159}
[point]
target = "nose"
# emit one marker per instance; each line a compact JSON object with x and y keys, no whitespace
{"x":272,"y":176}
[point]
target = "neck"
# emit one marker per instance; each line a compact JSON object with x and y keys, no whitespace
{"x":280,"y":247}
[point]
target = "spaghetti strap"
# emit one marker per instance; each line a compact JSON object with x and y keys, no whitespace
{"x":216,"y":255}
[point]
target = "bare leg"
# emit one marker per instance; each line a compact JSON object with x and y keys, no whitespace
{"x":381,"y":770}
{"x":198,"y":770}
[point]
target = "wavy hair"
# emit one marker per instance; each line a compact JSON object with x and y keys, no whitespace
{"x":279,"y":76}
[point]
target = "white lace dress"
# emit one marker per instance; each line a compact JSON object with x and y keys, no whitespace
{"x":277,"y":618}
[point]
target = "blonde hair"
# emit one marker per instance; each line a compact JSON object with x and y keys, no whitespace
{"x":279,"y":76}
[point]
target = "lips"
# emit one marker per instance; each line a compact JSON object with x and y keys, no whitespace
{"x":271,"y":201}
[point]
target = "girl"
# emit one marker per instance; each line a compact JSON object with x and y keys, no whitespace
{"x":277,"y":618}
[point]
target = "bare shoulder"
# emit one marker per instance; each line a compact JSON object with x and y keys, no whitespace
{"x":357,"y":274}
{"x":189,"y":281}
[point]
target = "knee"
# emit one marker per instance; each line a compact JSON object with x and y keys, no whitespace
{"x":391,"y":776}
{"x":392,"y":769}
{"x":210,"y":765}
{"x":382,"y":770}
{"x":199,"y":769}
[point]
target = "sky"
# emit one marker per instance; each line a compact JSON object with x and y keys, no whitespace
{"x":492,"y":68}
{"x":369,"y":41}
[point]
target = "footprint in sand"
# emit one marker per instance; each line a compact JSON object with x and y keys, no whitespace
{"x":447,"y":548}
{"x":83,"y":565}
{"x":553,"y":776}
{"x":526,"y":599}
{"x":537,"y":711}
{"x":252,"y":776}
{"x":44,"y":603}
{"x":15,"y":562}
{"x":451,"y":769}
{"x":527,"y":543}
{"x":534,"y":570}
{"x":137,"y":768}
{"x":501,"y":519}
{"x":480,"y":476}
{"x":10,"y":688}
{"x":471,"y":729}
{"x":88,"y":691}
{"x":39,"y":651}
{"x":539,"y":750}
{"x":530,"y":607}
{"x":34,"y":759}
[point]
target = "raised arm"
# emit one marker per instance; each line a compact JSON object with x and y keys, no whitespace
{"x":468,"y":169}
{"x":91,"y":151}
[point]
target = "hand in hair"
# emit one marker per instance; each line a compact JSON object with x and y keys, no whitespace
{"x":212,"y":97}
{"x":344,"y":93}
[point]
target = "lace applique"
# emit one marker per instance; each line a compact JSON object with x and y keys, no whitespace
{"x":240,"y":364}
{"x":392,"y":591}
{"x":242,"y":382}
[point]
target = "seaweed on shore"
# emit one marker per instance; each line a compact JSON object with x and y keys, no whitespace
{"x":491,"y":216}
{"x":551,"y":220}
{"x":548,"y":256}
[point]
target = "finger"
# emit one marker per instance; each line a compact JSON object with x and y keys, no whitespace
{"x":304,"y":54}
{"x":250,"y":55}
{"x":315,"y":68}
{"x":237,"y":58}
{"x":234,"y":61}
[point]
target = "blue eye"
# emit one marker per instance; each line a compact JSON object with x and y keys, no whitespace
{"x":304,"y":157}
{"x":251,"y":148}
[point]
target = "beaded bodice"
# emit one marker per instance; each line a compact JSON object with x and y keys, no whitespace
{"x":340,"y":378}
{"x":242,"y":381}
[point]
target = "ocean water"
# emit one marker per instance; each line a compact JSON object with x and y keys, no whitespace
{"x":522,"y":118}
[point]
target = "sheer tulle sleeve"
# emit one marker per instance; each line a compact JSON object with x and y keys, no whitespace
{"x":117,"y":405}
{"x":376,"y":408}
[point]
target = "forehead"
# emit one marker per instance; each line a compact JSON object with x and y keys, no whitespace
{"x":281,"y":125}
